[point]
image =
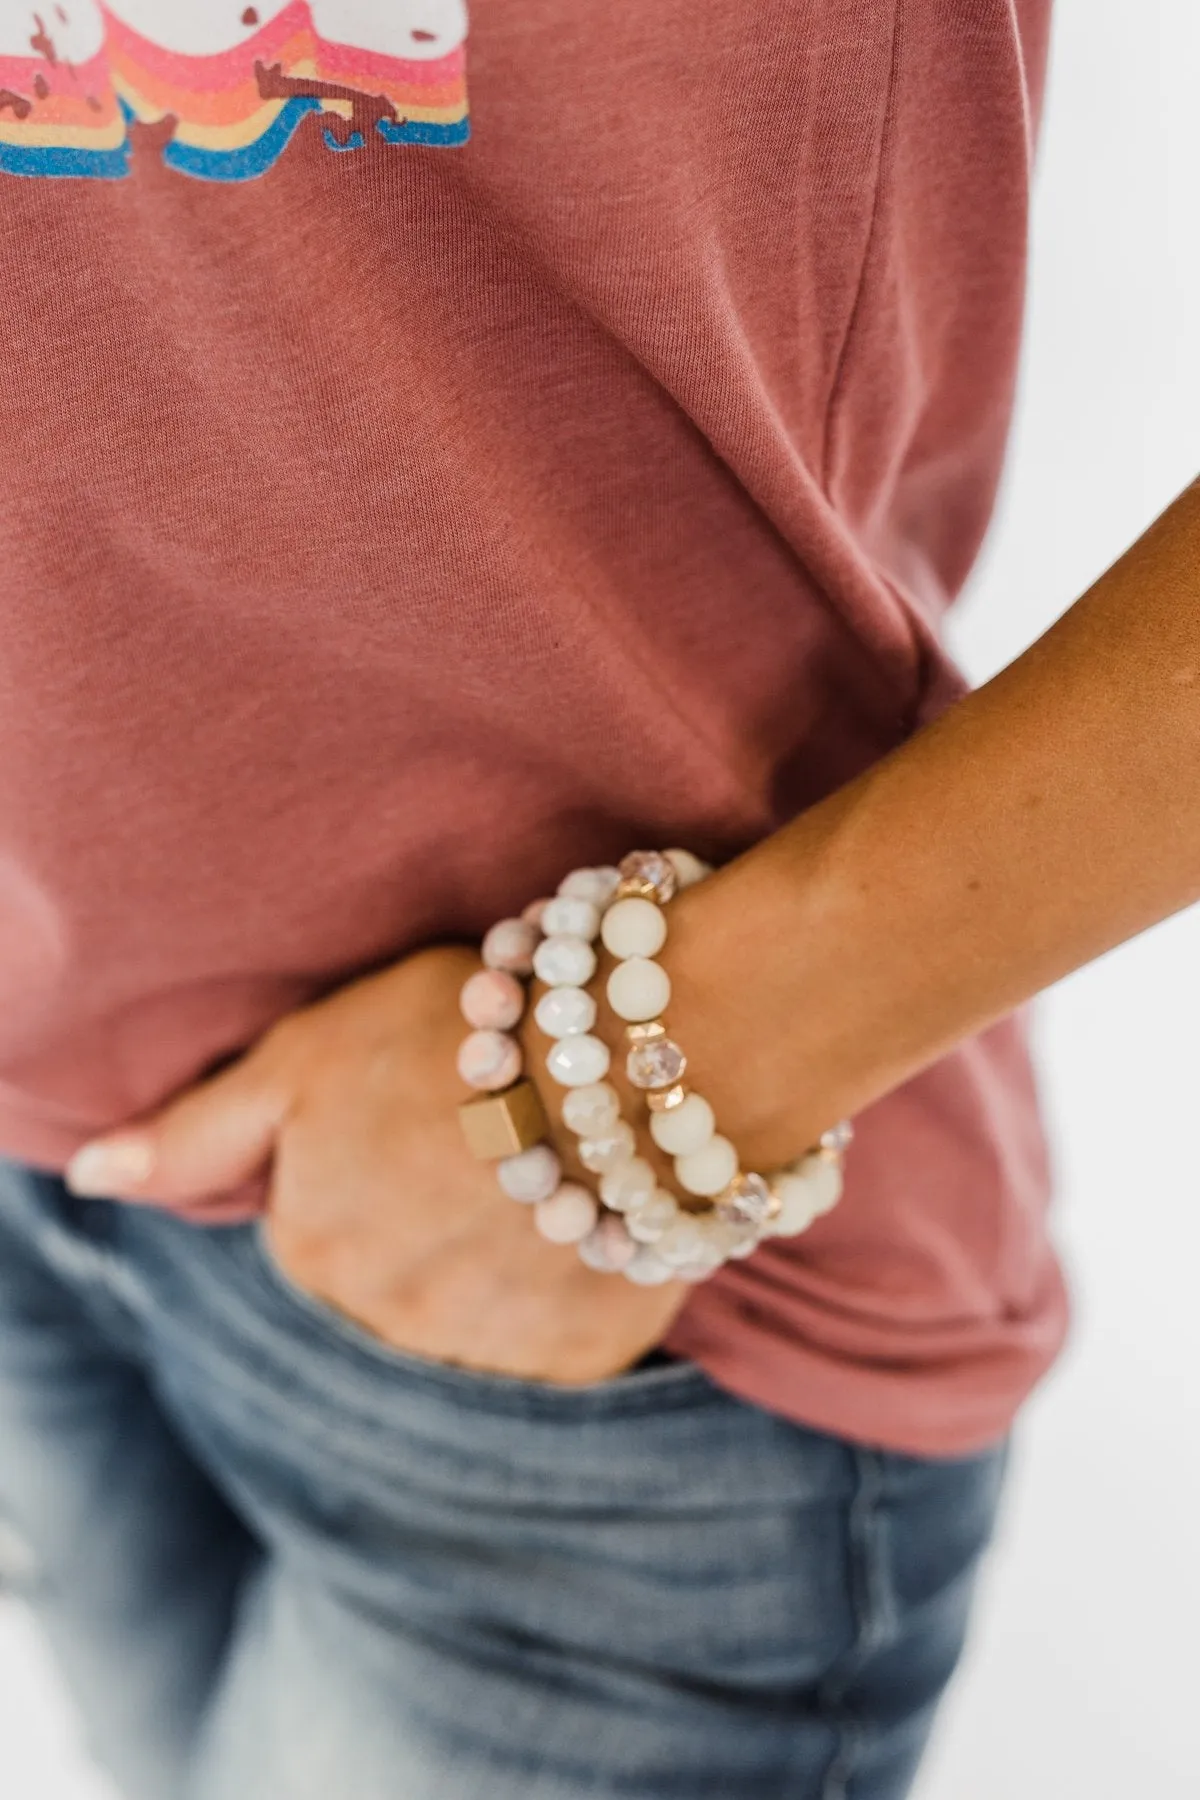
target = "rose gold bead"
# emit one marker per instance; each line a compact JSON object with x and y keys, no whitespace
{"x":667,"y":1099}
{"x":645,"y":1033}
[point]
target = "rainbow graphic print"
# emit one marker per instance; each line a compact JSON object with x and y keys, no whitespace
{"x":235,"y":82}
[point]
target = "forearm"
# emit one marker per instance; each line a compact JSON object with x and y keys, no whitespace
{"x":1047,"y":817}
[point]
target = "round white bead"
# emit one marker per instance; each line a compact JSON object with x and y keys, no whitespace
{"x":531,"y":1175}
{"x":647,"y":1223}
{"x":634,"y":928}
{"x":568,"y":917}
{"x":707,"y":1171}
{"x":564,"y":962}
{"x":596,"y":885}
{"x":824,"y":1176}
{"x":578,"y":1061}
{"x":617,"y":1146}
{"x":592,"y":1110}
{"x":805,"y":1191}
{"x":628,"y":1185}
{"x":565,"y":1011}
{"x":647,"y":1270}
{"x":639,"y":989}
{"x":567,"y":1216}
{"x":797,"y":1206}
{"x":685,"y":1129}
{"x":688,"y":868}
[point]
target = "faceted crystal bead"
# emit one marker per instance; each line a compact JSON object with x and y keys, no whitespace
{"x":627,"y":1186}
{"x":591,"y":1111}
{"x":647,"y":1223}
{"x":647,"y":1270}
{"x":747,"y":1201}
{"x":600,"y":1154}
{"x":565,"y":1011}
{"x":596,"y":885}
{"x":682,"y":1243}
{"x":654,"y":872}
{"x":658,"y":1064}
{"x":838,"y":1138}
{"x":578,"y":1061}
{"x":564,"y":962}
{"x":568,"y":916}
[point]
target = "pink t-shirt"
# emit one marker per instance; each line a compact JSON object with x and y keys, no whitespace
{"x":434,"y":459}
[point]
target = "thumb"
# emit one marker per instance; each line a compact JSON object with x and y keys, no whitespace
{"x":214,"y":1136}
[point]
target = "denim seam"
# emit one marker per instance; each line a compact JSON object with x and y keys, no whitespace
{"x":874,"y":1607}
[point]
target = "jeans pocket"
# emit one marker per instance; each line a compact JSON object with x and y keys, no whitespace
{"x":665,"y":1383}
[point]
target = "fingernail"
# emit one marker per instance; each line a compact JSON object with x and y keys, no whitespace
{"x":109,"y":1165}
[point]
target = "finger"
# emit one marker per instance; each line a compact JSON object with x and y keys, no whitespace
{"x":215,"y":1136}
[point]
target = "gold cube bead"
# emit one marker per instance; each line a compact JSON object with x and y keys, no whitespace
{"x":499,"y":1125}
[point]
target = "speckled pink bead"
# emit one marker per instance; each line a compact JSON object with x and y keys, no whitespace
{"x":510,"y":945}
{"x":489,"y":1060}
{"x":609,"y":1248}
{"x":492,"y":1000}
{"x":568,"y":1216}
{"x":531,"y":1175}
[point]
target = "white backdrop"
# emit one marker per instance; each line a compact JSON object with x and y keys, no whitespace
{"x":1080,"y":1680}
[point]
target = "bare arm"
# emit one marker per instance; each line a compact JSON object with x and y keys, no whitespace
{"x":1047,"y":817}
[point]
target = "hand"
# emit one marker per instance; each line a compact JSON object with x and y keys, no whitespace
{"x":373,"y":1203}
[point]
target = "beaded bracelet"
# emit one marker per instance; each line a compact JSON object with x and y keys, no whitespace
{"x":643,"y":1230}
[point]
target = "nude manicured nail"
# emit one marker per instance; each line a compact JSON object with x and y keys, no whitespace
{"x":109,"y":1166}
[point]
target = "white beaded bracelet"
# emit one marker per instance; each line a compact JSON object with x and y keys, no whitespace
{"x":639,"y":1229}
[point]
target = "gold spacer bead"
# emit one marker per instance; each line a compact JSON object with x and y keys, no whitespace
{"x":636,"y":887}
{"x":645,"y":1033}
{"x":666,"y":1099}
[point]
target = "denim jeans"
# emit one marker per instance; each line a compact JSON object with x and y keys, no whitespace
{"x":277,"y":1560}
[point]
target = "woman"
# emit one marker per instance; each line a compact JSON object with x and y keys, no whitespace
{"x":479,"y":512}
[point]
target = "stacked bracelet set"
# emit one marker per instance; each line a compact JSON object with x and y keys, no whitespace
{"x":632,"y":1225}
